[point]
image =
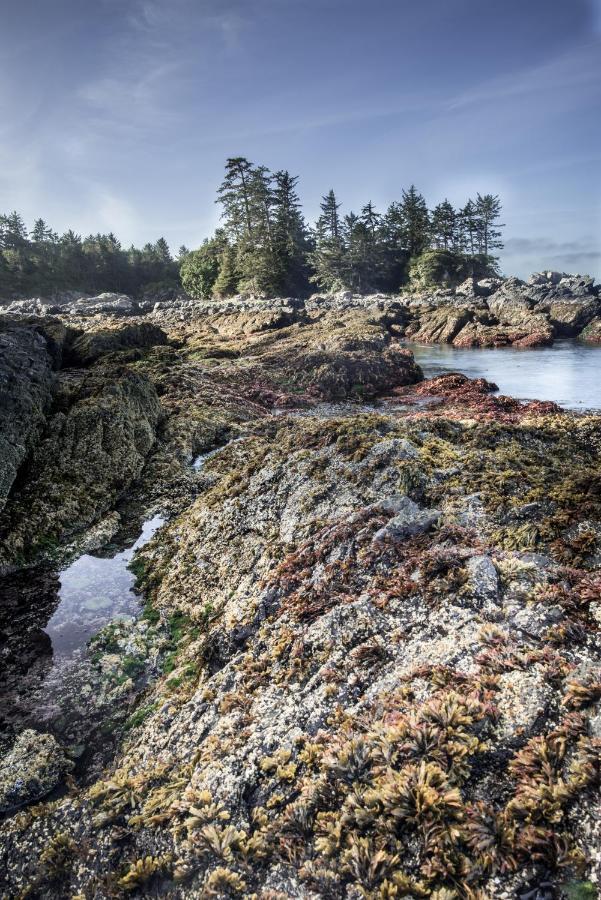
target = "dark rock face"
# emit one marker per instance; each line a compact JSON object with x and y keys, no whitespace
{"x":27,"y":358}
{"x":91,"y":345}
{"x":87,"y":457}
{"x":33,"y":767}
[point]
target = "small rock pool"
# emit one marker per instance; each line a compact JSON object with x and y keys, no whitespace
{"x":74,"y":650}
{"x":95,"y":590}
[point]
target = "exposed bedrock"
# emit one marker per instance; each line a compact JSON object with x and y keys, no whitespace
{"x":30,"y":351}
{"x":85,"y":459}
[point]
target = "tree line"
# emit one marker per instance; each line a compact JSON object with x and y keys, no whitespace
{"x":266,"y":247}
{"x":41,"y":261}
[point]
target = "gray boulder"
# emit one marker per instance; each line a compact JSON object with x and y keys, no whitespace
{"x":106,"y":304}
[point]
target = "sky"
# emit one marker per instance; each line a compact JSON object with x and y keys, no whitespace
{"x":119,"y":114}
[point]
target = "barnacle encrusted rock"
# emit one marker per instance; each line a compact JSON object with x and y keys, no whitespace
{"x":381,"y":676}
{"x":31,"y":769}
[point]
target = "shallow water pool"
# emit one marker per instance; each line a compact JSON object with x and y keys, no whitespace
{"x":569,"y":372}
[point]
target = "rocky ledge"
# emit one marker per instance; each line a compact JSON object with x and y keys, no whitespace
{"x":384,"y":676}
{"x":493,"y":312}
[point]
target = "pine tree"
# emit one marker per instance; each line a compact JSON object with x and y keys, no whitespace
{"x":255,"y":252}
{"x":226,"y":284}
{"x":369,"y":248}
{"x":162,"y":251}
{"x":328,"y":258}
{"x":487,"y":213}
{"x":290,"y":239}
{"x":443,"y":226}
{"x":371,"y":219}
{"x":39,"y":231}
{"x":354,"y":234}
{"x":329,"y":221}
{"x":415,"y":222}
{"x":234,"y":195}
{"x":14,"y":232}
{"x":394,"y":252}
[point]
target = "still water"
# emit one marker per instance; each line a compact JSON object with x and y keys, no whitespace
{"x":569,"y":372}
{"x":94,"y":591}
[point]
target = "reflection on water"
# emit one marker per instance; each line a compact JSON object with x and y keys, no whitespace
{"x":569,"y":372}
{"x":93,"y":592}
{"x":47,"y":677}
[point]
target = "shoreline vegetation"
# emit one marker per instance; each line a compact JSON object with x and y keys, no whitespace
{"x":265,"y":247}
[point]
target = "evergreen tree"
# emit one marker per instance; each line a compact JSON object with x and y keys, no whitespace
{"x":329,"y":221}
{"x":255,"y":251}
{"x":394,"y":252}
{"x":226,"y":284}
{"x":487,"y":214}
{"x":328,"y":258}
{"x":199,"y":269}
{"x":290,"y":238}
{"x":13,"y":232}
{"x":234,"y":195}
{"x":162,"y":251}
{"x":415,"y":222}
{"x":443,"y":226}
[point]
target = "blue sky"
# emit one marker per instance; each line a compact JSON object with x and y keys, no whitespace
{"x":119,"y":114}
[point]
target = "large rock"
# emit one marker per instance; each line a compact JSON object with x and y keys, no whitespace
{"x":407,"y":521}
{"x":91,"y":345}
{"x":592,"y":332}
{"x":86,"y":459}
{"x":106,"y":304}
{"x":440,"y":325}
{"x":27,"y":359}
{"x":476,"y":334}
{"x":570,"y":315}
{"x":31,"y":769}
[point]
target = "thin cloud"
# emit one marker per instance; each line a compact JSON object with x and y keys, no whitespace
{"x":577,"y":69}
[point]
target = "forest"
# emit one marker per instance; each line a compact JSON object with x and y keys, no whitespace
{"x":265,"y":246}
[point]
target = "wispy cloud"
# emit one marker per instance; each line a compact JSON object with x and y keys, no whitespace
{"x":577,"y":69}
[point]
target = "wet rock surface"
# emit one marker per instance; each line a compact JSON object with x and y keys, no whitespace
{"x":369,"y":660}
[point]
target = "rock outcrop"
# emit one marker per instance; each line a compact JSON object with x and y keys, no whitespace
{"x":33,"y":768}
{"x":91,"y":345}
{"x":86,"y":458}
{"x":380,"y":673}
{"x":29,"y":353}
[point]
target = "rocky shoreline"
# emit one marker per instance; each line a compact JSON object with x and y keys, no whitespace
{"x":492,"y":312}
{"x":373,"y":614}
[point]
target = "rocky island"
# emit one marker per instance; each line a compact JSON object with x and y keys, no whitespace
{"x":366,"y":660}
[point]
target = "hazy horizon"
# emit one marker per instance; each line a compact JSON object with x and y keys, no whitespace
{"x":120,"y":116}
